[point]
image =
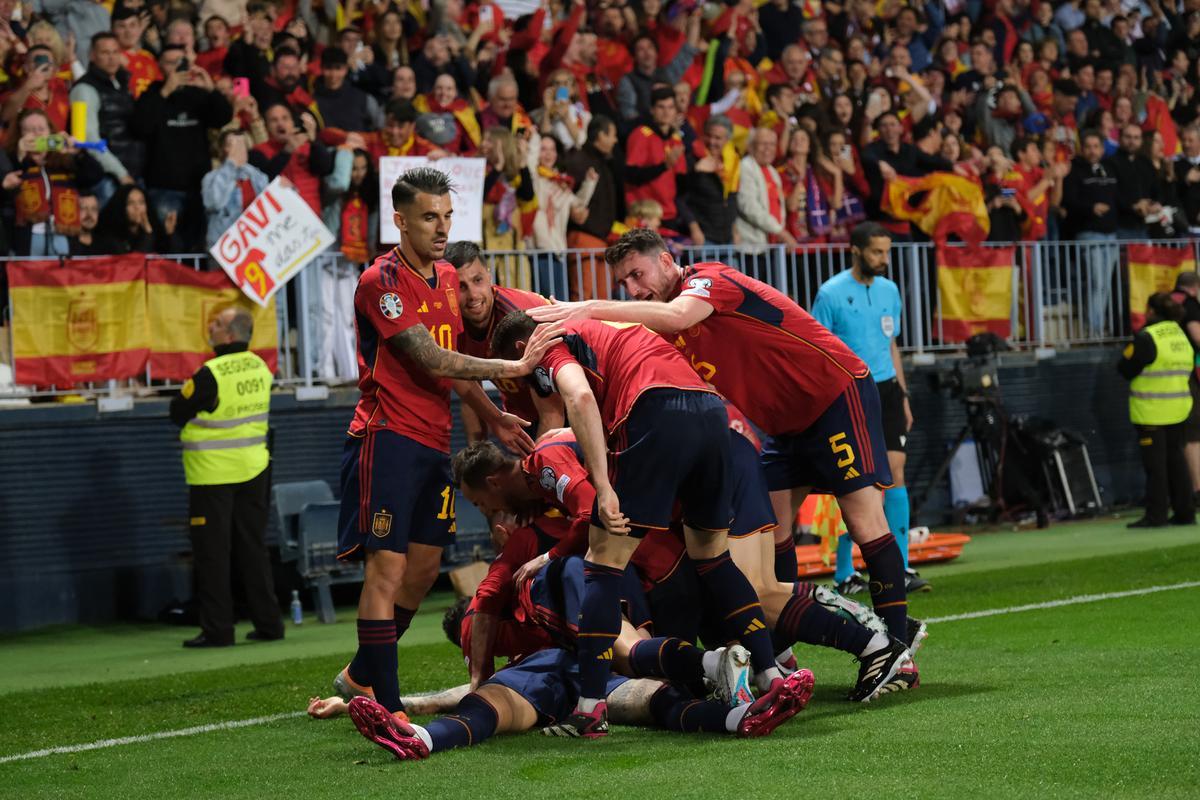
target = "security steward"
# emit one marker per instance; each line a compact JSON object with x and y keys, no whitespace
{"x":1157,"y":364}
{"x":222,"y":410}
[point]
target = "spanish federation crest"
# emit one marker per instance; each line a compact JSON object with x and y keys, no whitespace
{"x":391,"y":306}
{"x":381,"y":524}
{"x":547,"y":479}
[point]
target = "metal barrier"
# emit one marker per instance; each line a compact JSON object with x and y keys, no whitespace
{"x":1064,"y":294}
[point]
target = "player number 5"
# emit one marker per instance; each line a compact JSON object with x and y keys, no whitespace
{"x":843,"y":449}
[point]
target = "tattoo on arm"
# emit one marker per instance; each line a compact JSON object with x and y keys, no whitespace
{"x":418,"y":344}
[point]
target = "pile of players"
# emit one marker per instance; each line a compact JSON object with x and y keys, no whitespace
{"x":640,"y":521}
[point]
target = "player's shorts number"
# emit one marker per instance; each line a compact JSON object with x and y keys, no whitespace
{"x":842,"y":449}
{"x":443,"y":335}
{"x":704,"y":369}
{"x":447,"y":511}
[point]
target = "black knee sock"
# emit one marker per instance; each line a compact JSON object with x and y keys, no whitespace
{"x":667,"y":657}
{"x":736,"y":603}
{"x":805,"y":620}
{"x":375,"y":663}
{"x":404,"y":618}
{"x":786,"y":567}
{"x":885,"y":564}
{"x":599,"y":626}
{"x":473,"y":721}
{"x":676,"y":710}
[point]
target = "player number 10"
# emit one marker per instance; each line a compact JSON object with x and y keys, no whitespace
{"x":447,"y":511}
{"x":443,"y":335}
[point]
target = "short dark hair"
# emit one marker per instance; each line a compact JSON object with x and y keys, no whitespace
{"x":453,"y":618}
{"x":1184,"y":280}
{"x":925,"y":127}
{"x":643,"y":241}
{"x":101,"y":36}
{"x":517,"y":325}
{"x":474,"y":464}
{"x":422,"y":180}
{"x":881,"y":117}
{"x":660,"y":94}
{"x":599,"y":124}
{"x":285,"y":51}
{"x":462,"y":253}
{"x":1091,"y":133}
{"x":864,"y":232}
{"x":1022,"y":142}
{"x":400,"y":110}
{"x":333,"y":57}
{"x":1165,"y":307}
{"x":774,"y":90}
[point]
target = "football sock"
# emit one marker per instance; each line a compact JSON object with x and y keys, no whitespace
{"x":375,"y":663}
{"x":887,"y":583}
{"x":895,"y":506}
{"x":805,"y":620}
{"x":404,"y":618}
{"x":677,"y":710}
{"x":737,"y":605}
{"x":473,"y":721}
{"x":845,"y":559}
{"x":786,"y":567}
{"x":599,"y":625}
{"x":667,"y":657}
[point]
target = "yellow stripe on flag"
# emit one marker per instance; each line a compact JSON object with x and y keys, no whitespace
{"x":1153,"y":269}
{"x":78,"y":320}
{"x":179,"y":317}
{"x":975,"y":293}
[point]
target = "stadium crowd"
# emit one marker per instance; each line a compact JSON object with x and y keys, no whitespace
{"x":718,"y":123}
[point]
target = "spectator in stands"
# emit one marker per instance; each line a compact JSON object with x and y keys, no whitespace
{"x":589,"y":227}
{"x":390,"y":47}
{"x":285,"y":83}
{"x":503,"y":110}
{"x":1001,"y":185}
{"x":1138,"y":193}
{"x":104,"y":89}
{"x":557,"y":196}
{"x":174,"y":118}
{"x":1187,"y":176}
{"x":127,"y":26}
{"x":41,"y":89}
{"x":80,"y":19}
{"x":127,"y":226}
{"x":444,"y":101}
{"x":509,"y":199}
{"x":216,"y":37}
{"x":634,"y":90}
{"x":762,"y":214}
{"x":655,"y":159}
{"x":404,"y":84}
{"x":227,"y":190}
{"x":44,"y":187}
{"x":1090,"y":198}
{"x":890,"y":156}
{"x":562,"y":115}
{"x":295,"y":152}
{"x":248,"y":55}
{"x":341,"y":104}
{"x":711,"y":182}
{"x":85,"y":242}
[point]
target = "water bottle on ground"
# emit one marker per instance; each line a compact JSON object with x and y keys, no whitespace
{"x":297,"y":608}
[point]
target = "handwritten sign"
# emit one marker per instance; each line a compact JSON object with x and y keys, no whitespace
{"x":273,"y":239}
{"x":466,"y":175}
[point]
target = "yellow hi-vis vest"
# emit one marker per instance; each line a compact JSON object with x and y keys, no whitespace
{"x":1160,"y":394}
{"x":229,"y":445}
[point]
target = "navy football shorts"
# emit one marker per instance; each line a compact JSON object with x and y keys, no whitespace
{"x":674,"y":445}
{"x":841,"y":452}
{"x":549,"y":680}
{"x":752,"y":510}
{"x":394,"y":491}
{"x":557,"y":596}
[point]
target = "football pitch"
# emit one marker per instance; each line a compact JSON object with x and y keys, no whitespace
{"x":1080,"y":681}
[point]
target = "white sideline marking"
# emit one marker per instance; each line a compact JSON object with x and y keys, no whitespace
{"x":1067,"y":601}
{"x":150,"y":737}
{"x":246,"y":723}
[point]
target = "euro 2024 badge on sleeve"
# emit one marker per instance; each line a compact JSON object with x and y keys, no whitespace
{"x":391,"y":306}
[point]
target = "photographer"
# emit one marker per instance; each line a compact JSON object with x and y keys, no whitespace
{"x":1157,"y":364}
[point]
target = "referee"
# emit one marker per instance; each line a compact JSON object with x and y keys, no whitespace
{"x":862,"y":307}
{"x":222,"y":410}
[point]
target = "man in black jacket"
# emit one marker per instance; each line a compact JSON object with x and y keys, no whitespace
{"x":1187,"y":177}
{"x":173,"y":116}
{"x":343,"y":105}
{"x":1090,"y":197}
{"x":887,"y":157}
{"x":712,"y":200}
{"x":1138,"y":192}
{"x":589,"y":227}
{"x":104,"y":88}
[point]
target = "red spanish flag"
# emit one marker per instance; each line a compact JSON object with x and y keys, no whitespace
{"x":1153,"y":268}
{"x":975,"y":287}
{"x":946,"y":203}
{"x":80,"y":321}
{"x":181,"y":303}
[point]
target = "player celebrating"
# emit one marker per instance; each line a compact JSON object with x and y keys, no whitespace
{"x":483,"y":304}
{"x":628,"y":391}
{"x":789,"y":375}
{"x":397,"y":499}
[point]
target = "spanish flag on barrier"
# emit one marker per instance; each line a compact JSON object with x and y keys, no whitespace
{"x":975,"y":285}
{"x":181,"y":302}
{"x":1153,"y":268}
{"x":78,"y":322}
{"x":945,"y":203}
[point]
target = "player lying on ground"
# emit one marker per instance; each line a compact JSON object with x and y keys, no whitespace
{"x":553,"y":475}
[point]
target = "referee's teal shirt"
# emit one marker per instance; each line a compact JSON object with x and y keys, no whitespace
{"x":866,"y":318}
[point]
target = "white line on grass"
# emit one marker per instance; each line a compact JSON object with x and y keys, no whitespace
{"x":1066,"y":601}
{"x":150,"y":737}
{"x":246,"y":723}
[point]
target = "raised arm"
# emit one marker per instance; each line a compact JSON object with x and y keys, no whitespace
{"x":678,"y":315}
{"x":509,"y":428}
{"x":417,"y":343}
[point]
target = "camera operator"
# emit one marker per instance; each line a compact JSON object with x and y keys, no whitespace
{"x":1157,"y":364}
{"x":862,"y":307}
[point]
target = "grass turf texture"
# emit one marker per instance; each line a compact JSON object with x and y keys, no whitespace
{"x":1078,"y":701}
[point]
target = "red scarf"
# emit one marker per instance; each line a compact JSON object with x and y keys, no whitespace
{"x":35,"y":204}
{"x":354,"y":230}
{"x":774,"y":199}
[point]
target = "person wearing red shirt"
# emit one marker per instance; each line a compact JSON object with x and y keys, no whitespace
{"x":407,"y":319}
{"x":1034,"y":187}
{"x":484,"y":304}
{"x":795,"y":379}
{"x":397,"y":137}
{"x":651,"y":433}
{"x":41,"y":90}
{"x":143,"y":69}
{"x":212,"y":60}
{"x":293,"y":152}
{"x":655,"y":160}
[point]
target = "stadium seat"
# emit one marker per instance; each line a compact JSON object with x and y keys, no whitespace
{"x":288,"y":499}
{"x":317,"y":539}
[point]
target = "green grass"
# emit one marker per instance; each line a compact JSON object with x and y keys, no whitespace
{"x":1091,"y":700}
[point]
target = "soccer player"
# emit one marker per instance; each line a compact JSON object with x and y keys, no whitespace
{"x":792,"y":377}
{"x":483,"y":304}
{"x":861,"y":306}
{"x":397,"y":499}
{"x":651,"y":433}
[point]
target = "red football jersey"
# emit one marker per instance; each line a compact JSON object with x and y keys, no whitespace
{"x":514,"y":392}
{"x":397,"y":394}
{"x":514,"y":639}
{"x":646,"y":148}
{"x":143,"y":71}
{"x":621,"y":360}
{"x":762,"y":351}
{"x":495,"y":592}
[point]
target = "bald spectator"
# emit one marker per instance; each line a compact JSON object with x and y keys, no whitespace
{"x":761,"y":212}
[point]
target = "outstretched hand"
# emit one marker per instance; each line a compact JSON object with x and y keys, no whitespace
{"x":559,"y":311}
{"x":510,"y":430}
{"x":542,"y":339}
